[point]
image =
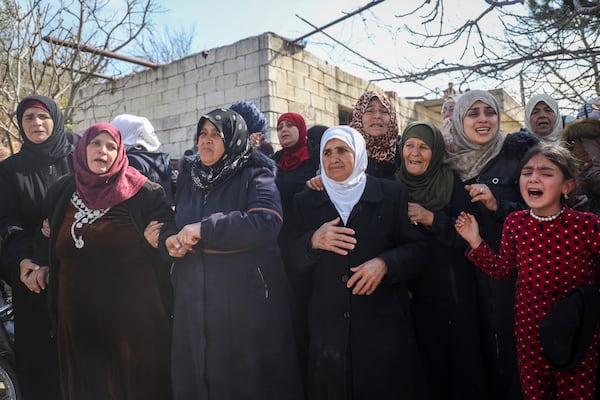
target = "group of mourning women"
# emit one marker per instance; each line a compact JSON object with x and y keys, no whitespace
{"x":255,"y":286}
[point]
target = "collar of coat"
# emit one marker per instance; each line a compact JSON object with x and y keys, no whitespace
{"x":373,"y":194}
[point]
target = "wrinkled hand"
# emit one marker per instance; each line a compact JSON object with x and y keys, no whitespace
{"x":367,"y":276}
{"x":152,"y":231}
{"x":46,"y":228}
{"x":189,"y":235}
{"x":482,"y":193}
{"x":175,"y":248}
{"x":417,"y":214}
{"x":330,"y":237}
{"x":315,"y":183}
{"x":467,"y":227}
{"x":33,"y":276}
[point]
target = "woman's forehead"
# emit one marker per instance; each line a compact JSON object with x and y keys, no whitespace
{"x":479,"y":104}
{"x":336,"y":142}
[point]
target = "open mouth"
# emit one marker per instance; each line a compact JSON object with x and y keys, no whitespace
{"x":535,"y":193}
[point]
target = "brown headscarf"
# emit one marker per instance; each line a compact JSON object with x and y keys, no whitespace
{"x":381,"y":148}
{"x":121,"y":182}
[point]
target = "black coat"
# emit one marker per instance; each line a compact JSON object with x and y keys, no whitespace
{"x":497,"y":298}
{"x":24,"y":185}
{"x":291,"y":182}
{"x":360,"y":347}
{"x":444,"y":304}
{"x":382,"y":169}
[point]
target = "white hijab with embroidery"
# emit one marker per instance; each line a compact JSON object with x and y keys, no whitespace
{"x":344,"y":195}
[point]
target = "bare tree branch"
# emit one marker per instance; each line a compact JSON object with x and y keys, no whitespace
{"x":31,"y":65}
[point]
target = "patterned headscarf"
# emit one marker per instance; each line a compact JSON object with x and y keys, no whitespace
{"x":119,"y":183}
{"x":433,"y":188}
{"x":344,"y":195}
{"x":293,"y":156}
{"x":234,"y":133}
{"x":554,"y":136}
{"x":381,"y":148}
{"x":56,"y":146}
{"x":468,"y":158}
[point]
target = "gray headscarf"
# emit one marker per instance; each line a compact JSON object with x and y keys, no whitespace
{"x":554,"y":136}
{"x":468,"y":158}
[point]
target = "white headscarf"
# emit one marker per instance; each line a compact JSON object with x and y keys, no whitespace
{"x":136,"y":131}
{"x":344,"y":195}
{"x":553,"y":136}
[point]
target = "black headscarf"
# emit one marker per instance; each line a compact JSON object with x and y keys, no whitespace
{"x":433,"y":188}
{"x":56,"y":147}
{"x":234,"y":133}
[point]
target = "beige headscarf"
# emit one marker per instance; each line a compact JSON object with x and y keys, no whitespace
{"x":554,"y":136}
{"x":468,"y":158}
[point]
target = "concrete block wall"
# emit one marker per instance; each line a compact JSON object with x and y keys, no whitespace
{"x":174,"y":96}
{"x":276,"y":75}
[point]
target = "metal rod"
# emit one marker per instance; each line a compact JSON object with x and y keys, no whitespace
{"x":95,"y":50}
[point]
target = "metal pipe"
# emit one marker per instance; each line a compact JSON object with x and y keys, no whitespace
{"x":102,"y":52}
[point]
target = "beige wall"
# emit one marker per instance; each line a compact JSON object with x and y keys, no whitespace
{"x":266,"y":69}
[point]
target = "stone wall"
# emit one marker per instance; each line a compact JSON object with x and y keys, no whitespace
{"x":268,"y":70}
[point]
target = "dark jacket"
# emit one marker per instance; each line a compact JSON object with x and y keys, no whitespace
{"x":445,"y":303}
{"x":24,"y":182}
{"x":497,"y":298}
{"x":23,"y":191}
{"x":232,"y":316}
{"x":156,"y":166}
{"x":382,"y":169}
{"x":146,"y":205}
{"x":361,"y":347}
{"x":291,"y":182}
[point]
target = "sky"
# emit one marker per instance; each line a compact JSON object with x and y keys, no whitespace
{"x":223,"y":22}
